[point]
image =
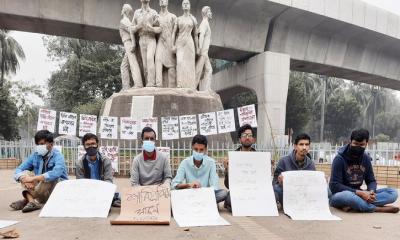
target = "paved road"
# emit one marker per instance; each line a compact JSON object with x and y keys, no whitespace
{"x":353,"y":226}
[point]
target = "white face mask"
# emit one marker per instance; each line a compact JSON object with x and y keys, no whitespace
{"x":41,"y":150}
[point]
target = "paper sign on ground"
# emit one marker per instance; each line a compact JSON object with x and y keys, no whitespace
{"x":109,"y":127}
{"x":7,"y":223}
{"x":247,"y":115}
{"x":196,"y":208}
{"x":82,"y":198}
{"x":208,"y":123}
{"x":112,"y":153}
{"x":47,"y":120}
{"x":170,"y":128}
{"x":188,"y":126}
{"x":87,"y":124}
{"x":250,"y":184}
{"x":149,"y":122}
{"x":305,"y":196}
{"x":67,"y":123}
{"x":145,"y":205}
{"x":226,"y":121}
{"x":129,"y":128}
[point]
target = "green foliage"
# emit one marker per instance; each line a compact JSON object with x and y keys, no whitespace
{"x":92,"y":108}
{"x":8,"y":116}
{"x":382,"y":138}
{"x":388,"y":123}
{"x":10,"y":54}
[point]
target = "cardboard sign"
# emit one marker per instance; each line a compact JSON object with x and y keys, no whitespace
{"x":145,"y":205}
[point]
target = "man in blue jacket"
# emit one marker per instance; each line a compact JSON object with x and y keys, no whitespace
{"x":39,"y":173}
{"x":350,"y":168}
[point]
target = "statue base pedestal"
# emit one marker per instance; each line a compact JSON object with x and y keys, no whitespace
{"x":167,"y":102}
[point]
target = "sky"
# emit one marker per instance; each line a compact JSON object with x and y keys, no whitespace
{"x":37,"y":67}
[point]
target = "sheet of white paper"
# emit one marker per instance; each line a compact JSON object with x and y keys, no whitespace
{"x":109,"y":127}
{"x":129,"y":128}
{"x":149,"y":122}
{"x":142,"y":107}
{"x":87,"y":124}
{"x":7,"y":223}
{"x":305,"y":196}
{"x":47,"y":120}
{"x":67,"y":123}
{"x":208,"y":123}
{"x":188,"y":126}
{"x":247,"y":115}
{"x":170,"y":128}
{"x":250,"y":184}
{"x":196,"y":208}
{"x":83,"y":198}
{"x":112,"y":153}
{"x":226,"y":121}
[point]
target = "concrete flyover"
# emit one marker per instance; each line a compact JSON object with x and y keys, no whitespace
{"x":343,"y":38}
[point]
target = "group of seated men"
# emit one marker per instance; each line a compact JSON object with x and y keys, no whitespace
{"x":41,"y":171}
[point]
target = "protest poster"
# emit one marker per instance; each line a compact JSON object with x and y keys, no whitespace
{"x":208,"y":124}
{"x":170,"y":128}
{"x":129,"y":128}
{"x":305,"y":196}
{"x":87,"y":124}
{"x":149,"y":122}
{"x":112,"y":153}
{"x":67,"y":123}
{"x":145,"y":205}
{"x":250,"y":184}
{"x":188,"y":126}
{"x":226,"y":121}
{"x":247,"y":115}
{"x":47,"y":120}
{"x":108,"y":127}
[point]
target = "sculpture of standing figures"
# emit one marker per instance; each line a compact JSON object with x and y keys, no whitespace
{"x":146,"y":23}
{"x":164,"y":55}
{"x":129,"y":61}
{"x":203,"y":63}
{"x":186,"y":40}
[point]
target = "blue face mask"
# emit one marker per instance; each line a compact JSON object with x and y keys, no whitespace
{"x":198,"y":156}
{"x":149,"y":146}
{"x":41,"y":150}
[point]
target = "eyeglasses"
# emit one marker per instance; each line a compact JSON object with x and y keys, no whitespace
{"x":246,"y":135}
{"x":149,"y":139}
{"x":91,"y":145}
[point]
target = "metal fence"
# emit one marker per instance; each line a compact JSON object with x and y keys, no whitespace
{"x":320,"y":153}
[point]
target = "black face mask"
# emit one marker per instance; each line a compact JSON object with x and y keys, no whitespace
{"x":356,"y":151}
{"x":91,"y":151}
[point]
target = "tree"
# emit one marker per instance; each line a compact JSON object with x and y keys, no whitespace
{"x":10,"y":54}
{"x":8,"y":116}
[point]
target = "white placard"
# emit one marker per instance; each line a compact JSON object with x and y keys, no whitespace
{"x":111,"y":152}
{"x":149,"y":122}
{"x":7,"y":223}
{"x":129,"y":128}
{"x":170,"y":128}
{"x":81,"y":152}
{"x":82,"y":198}
{"x":67,"y":123}
{"x":226,"y":121}
{"x":247,"y":115}
{"x":188,"y":126}
{"x":165,"y":150}
{"x":196,"y":208}
{"x":47,"y":120}
{"x":87,"y":124}
{"x":142,"y":107}
{"x":305,"y":196}
{"x":208,"y":123}
{"x":109,"y":127}
{"x":250,"y":184}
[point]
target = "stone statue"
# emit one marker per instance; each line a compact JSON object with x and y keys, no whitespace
{"x":145,"y":21}
{"x":165,"y":58}
{"x":185,"y":41}
{"x":129,"y":61}
{"x":203,"y":64}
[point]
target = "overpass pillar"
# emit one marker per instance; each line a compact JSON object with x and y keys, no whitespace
{"x":267,"y":74}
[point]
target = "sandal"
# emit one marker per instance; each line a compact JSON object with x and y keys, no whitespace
{"x":116,"y":203}
{"x":31,"y":206}
{"x":19,"y":205}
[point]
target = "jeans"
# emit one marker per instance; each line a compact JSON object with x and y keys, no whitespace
{"x":350,"y":199}
{"x":220,"y":195}
{"x":278,"y":190}
{"x":227,"y":203}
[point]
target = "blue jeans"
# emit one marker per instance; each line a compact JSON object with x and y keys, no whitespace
{"x":278,"y":190}
{"x":220,"y":195}
{"x":350,"y":199}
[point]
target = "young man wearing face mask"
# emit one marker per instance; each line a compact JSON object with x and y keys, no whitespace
{"x":298,"y":159}
{"x":247,"y":137}
{"x":199,"y":170}
{"x":39,"y":173}
{"x":94,"y":165}
{"x":350,"y":168}
{"x":151,"y":167}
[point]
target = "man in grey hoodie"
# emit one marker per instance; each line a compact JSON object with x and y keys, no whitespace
{"x":298,"y":159}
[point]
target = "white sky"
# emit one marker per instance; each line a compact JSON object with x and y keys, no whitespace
{"x":36,"y":69}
